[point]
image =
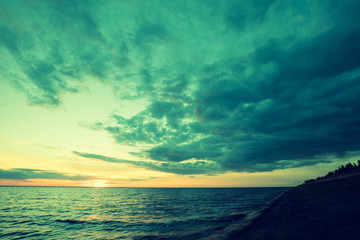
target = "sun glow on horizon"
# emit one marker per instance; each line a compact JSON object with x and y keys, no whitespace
{"x":98,"y":184}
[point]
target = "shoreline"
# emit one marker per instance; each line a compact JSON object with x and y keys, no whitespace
{"x":243,"y":224}
{"x":323,"y":209}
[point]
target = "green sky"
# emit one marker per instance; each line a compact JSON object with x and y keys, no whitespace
{"x":177,"y":93}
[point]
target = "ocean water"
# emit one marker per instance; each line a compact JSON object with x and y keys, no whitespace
{"x":126,"y":213}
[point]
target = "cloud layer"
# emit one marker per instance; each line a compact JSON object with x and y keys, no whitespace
{"x":231,"y":86}
{"x":25,"y":173}
{"x":191,"y":166}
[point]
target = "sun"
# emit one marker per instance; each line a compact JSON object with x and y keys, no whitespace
{"x":99,"y":183}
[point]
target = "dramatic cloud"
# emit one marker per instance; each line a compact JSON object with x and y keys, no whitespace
{"x":231,"y":86}
{"x":25,"y":173}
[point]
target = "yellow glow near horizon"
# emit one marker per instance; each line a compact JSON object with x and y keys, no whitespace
{"x":99,"y":183}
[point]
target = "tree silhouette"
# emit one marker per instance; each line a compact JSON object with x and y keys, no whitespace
{"x":348,"y":167}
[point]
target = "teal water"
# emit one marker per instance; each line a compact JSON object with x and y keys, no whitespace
{"x":125,"y":213}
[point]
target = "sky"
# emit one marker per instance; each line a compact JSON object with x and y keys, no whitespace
{"x":139,"y":93}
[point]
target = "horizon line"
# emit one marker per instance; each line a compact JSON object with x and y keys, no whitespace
{"x":144,"y":187}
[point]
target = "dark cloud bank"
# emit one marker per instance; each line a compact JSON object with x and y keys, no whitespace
{"x":286,"y":101}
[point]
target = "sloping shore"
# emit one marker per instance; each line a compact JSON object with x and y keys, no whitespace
{"x":328,"y":208}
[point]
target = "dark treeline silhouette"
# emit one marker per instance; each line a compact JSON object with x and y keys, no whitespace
{"x":348,"y":167}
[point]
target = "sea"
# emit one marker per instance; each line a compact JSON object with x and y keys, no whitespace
{"x":127,"y":213}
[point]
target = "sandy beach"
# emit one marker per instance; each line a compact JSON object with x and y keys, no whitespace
{"x":328,"y":208}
